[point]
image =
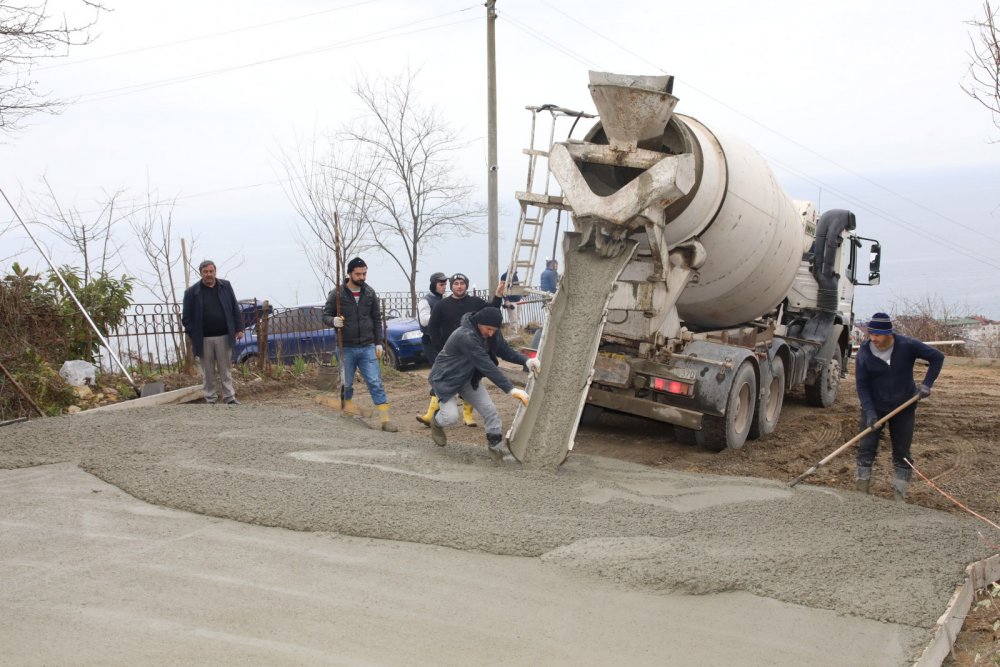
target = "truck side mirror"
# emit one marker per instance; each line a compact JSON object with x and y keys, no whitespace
{"x":874,"y":271}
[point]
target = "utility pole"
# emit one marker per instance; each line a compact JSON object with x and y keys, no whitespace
{"x":491,"y":122}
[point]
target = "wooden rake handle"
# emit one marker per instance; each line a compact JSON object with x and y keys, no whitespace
{"x":877,"y":425}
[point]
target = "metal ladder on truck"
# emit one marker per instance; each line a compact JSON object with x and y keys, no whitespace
{"x":537,"y":201}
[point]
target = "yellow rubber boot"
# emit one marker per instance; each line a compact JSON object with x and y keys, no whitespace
{"x":350,"y":408}
{"x":383,"y":416}
{"x":425,"y":418}
{"x":467,"y":415}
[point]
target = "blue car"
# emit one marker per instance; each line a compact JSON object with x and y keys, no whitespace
{"x":300,"y":332}
{"x":402,"y":341}
{"x":291,"y":333}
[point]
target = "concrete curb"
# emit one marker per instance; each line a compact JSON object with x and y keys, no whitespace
{"x":978,"y":575}
{"x":185,"y":395}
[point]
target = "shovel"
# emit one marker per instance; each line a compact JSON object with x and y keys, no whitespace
{"x":877,"y":425}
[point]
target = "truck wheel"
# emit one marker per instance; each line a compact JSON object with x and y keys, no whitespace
{"x":823,"y":393}
{"x":591,"y":413}
{"x":765,"y":418}
{"x":718,"y":433}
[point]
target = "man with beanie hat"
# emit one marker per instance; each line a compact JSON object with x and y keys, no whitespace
{"x":884,"y":379}
{"x":470,"y":354}
{"x":447,"y":316}
{"x":439,"y":283}
{"x":360,"y":327}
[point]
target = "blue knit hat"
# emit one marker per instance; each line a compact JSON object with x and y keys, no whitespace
{"x":880,"y":324}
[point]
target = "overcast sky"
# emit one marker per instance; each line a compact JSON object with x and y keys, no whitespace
{"x":855,"y":104}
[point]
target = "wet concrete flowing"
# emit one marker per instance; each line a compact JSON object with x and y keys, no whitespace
{"x":542,"y":433}
{"x":644,"y":528}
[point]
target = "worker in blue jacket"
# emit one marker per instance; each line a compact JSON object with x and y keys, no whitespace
{"x":884,"y":378}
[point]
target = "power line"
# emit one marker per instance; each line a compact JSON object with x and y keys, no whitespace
{"x":393,"y":32}
{"x":891,"y":218}
{"x":198,"y":38}
{"x":541,"y":37}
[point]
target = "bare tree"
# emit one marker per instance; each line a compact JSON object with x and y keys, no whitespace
{"x":408,"y":180}
{"x":983,"y":79}
{"x":152,"y":226}
{"x":89,"y":233}
{"x":29,"y":32}
{"x":319,"y":188}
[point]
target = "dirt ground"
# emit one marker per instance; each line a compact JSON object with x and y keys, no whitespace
{"x":956,"y":447}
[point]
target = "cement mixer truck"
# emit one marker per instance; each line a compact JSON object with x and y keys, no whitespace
{"x":694,"y":293}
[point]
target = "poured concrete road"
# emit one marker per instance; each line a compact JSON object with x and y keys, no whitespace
{"x":477,"y":563}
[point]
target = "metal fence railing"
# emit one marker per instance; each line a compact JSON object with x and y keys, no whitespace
{"x":151,"y":339}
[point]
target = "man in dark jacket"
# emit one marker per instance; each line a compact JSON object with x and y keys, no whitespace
{"x":360,"y":327}
{"x":884,"y":379}
{"x":472,"y":353}
{"x":211,"y":316}
{"x":439,"y":283}
{"x":447,"y":315}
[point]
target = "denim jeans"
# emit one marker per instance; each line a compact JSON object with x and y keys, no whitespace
{"x":901,"y":435}
{"x":363,"y":359}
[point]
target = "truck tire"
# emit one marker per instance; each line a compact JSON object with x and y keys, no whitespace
{"x":718,"y":433}
{"x":823,"y":393}
{"x":765,"y":418}
{"x":590,"y":415}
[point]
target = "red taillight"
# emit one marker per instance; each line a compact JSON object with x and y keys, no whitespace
{"x":671,"y":386}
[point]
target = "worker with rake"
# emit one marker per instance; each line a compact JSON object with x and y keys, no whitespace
{"x":884,"y":378}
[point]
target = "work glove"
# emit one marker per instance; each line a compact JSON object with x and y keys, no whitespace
{"x":378,"y":352}
{"x":533,"y":365}
{"x":520,"y":395}
{"x":924,"y":390}
{"x":338,"y":322}
{"x":870,"y":419}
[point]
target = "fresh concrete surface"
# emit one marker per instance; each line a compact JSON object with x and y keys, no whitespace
{"x":602,"y":561}
{"x":93,"y":576}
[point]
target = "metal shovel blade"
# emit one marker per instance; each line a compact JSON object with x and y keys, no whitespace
{"x":151,"y":388}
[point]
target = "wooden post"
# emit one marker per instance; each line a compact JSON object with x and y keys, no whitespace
{"x":21,"y":390}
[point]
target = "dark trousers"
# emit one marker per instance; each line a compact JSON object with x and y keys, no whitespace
{"x":901,"y":434}
{"x":430,"y":352}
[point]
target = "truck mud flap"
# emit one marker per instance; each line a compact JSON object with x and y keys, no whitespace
{"x":542,"y":433}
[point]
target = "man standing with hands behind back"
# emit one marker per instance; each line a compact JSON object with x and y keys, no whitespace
{"x":360,"y":329}
{"x":211,"y":317}
{"x":884,"y":379}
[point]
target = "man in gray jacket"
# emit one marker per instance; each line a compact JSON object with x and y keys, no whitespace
{"x":470,"y":354}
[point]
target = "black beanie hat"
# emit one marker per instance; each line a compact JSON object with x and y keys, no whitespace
{"x":355,"y":263}
{"x":490,"y":317}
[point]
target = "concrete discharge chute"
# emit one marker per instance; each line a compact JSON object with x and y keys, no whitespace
{"x":693,"y":328}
